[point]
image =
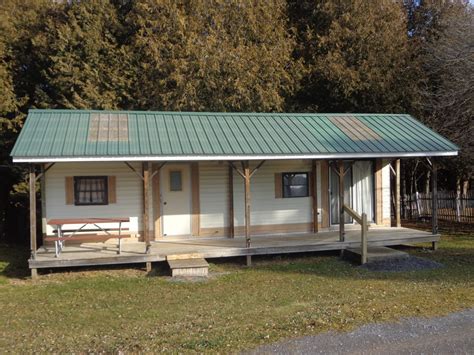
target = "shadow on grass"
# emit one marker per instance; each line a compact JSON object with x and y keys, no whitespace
{"x":456,"y":253}
{"x":13,"y":261}
{"x":457,"y":261}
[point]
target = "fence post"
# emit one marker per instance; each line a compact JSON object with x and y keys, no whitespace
{"x":458,"y":206}
{"x":418,"y":204}
{"x":363,"y":233}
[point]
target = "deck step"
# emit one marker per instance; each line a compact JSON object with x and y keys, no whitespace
{"x":375,"y":254}
{"x":195,"y":267}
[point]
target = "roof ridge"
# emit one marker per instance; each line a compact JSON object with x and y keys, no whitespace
{"x":225,"y":113}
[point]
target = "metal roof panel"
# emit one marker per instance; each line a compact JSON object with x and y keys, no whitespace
{"x":90,"y":134}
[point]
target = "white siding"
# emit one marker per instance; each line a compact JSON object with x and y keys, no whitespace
{"x":214,"y":195}
{"x":386,"y":190}
{"x":129,"y":193}
{"x":266,"y":209}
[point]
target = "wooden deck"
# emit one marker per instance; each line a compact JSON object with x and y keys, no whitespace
{"x":89,"y":254}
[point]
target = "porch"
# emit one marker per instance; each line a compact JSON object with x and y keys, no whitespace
{"x":133,"y":252}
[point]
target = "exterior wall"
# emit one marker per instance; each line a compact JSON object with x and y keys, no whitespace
{"x":268,"y":213}
{"x":129,"y":192}
{"x":386,"y":210}
{"x":214,"y":194}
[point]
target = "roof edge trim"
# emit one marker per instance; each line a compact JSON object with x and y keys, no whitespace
{"x":232,"y":157}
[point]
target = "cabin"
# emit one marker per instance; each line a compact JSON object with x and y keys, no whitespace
{"x":119,"y":187}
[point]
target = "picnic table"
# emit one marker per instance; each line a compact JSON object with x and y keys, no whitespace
{"x":62,"y":233}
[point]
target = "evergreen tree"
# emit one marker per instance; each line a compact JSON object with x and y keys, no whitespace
{"x":357,"y":56}
{"x":83,"y":63}
{"x":212,"y":55}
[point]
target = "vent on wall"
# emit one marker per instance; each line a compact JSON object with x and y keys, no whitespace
{"x":108,"y":127}
{"x":354,"y":128}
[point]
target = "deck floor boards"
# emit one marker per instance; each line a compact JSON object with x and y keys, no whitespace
{"x":105,"y":253}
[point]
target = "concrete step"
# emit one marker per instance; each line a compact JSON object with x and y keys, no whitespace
{"x":195,"y":267}
{"x":374,"y":254}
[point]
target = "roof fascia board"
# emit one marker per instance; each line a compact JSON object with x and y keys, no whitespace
{"x":232,"y":157}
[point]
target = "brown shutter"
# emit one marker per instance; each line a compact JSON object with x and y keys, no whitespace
{"x":112,"y":189}
{"x":278,"y":185}
{"x":69,"y":187}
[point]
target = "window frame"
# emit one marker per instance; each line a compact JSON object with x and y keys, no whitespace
{"x":181,"y":180}
{"x":87,"y":177}
{"x":283,"y":195}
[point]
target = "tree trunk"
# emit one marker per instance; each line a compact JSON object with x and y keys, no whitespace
{"x":427,"y":182}
{"x":465,"y":187}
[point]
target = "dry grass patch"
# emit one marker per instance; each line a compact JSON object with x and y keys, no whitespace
{"x":279,"y":297}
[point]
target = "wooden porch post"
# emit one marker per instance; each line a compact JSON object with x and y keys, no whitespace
{"x":314,"y":196}
{"x":342,"y":233}
{"x":434,"y":201}
{"x":231,"y":203}
{"x":146,"y":208}
{"x":397,"y":193}
{"x":33,"y":246}
{"x":246,"y":172}
{"x":43,"y":200}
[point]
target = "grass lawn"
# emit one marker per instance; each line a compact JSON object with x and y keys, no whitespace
{"x":238,"y":308}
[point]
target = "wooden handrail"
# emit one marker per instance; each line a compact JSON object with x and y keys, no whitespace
{"x":362,"y":220}
{"x":353,"y":214}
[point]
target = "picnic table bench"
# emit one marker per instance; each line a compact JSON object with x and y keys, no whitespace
{"x":86,"y":225}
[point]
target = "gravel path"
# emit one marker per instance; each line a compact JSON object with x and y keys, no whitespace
{"x":452,"y":334}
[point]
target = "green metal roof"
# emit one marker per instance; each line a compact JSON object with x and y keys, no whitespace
{"x":80,"y":135}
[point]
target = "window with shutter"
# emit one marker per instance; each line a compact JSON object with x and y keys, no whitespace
{"x":90,"y":190}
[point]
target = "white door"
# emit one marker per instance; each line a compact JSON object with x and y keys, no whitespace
{"x":176,"y":199}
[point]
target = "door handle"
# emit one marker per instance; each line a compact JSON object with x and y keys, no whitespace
{"x":164,"y":203}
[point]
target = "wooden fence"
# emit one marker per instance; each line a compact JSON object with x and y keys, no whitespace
{"x":451,"y":206}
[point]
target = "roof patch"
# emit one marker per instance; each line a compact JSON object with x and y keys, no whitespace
{"x":354,"y":128}
{"x":108,"y":127}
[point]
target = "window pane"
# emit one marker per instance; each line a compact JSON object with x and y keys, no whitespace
{"x":175,"y":181}
{"x":295,"y":185}
{"x":296,"y":191}
{"x":90,"y":190}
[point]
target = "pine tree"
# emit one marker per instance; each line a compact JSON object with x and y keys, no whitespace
{"x":83,"y":63}
{"x":212,"y":55}
{"x":357,"y":56}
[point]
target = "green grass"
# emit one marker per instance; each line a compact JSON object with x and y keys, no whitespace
{"x":238,"y":308}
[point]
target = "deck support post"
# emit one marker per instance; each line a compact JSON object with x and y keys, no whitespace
{"x":314,"y":196}
{"x":434,"y":200}
{"x":146,"y":205}
{"x":342,"y":234}
{"x":398,"y":222}
{"x":32,"y":188}
{"x":364,"y":230}
{"x":231,"y":203}
{"x":148,"y":267}
{"x":249,"y":260}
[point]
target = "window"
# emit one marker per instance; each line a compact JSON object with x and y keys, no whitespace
{"x":90,"y":190}
{"x":295,"y":185}
{"x":176,"y":183}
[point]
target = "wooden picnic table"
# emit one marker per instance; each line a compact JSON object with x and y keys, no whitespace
{"x":64,"y":234}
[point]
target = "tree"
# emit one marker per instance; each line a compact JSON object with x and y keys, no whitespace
{"x":211,"y":55}
{"x":442,"y":35}
{"x":448,"y":91}
{"x":357,"y":56}
{"x":83,"y":64}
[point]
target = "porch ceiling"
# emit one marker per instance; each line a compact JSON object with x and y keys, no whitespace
{"x":81,"y":135}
